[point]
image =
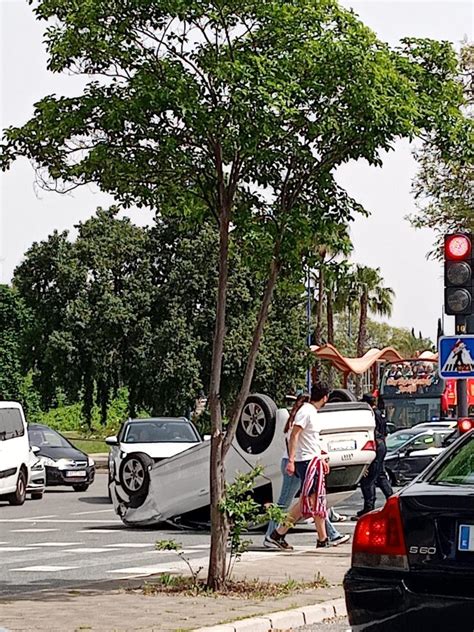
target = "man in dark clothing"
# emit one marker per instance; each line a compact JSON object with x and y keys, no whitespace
{"x":376,"y":475}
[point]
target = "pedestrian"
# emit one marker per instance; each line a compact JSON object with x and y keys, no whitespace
{"x":376,"y":475}
{"x":291,"y":485}
{"x":306,"y":461}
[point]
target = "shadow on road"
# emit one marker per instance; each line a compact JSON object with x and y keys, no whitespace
{"x":95,"y":500}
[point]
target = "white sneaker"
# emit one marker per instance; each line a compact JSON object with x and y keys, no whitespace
{"x":340,"y":540}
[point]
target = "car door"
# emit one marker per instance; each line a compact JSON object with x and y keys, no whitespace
{"x":416,"y":456}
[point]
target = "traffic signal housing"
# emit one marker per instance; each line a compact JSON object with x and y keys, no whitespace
{"x":458,"y":274}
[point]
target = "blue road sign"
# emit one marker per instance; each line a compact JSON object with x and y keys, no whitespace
{"x":456,"y":357}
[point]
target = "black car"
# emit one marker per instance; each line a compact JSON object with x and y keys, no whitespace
{"x":413,"y":560}
{"x":64,"y":463}
{"x":410,"y":451}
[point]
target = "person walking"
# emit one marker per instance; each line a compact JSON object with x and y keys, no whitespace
{"x":291,"y":485}
{"x":305,"y":460}
{"x":376,"y":475}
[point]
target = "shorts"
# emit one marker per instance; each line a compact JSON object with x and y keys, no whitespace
{"x":300,"y":470}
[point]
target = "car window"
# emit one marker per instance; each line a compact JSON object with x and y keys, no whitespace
{"x":397,"y":439}
{"x":11,"y":424}
{"x":47,"y":438}
{"x":423,"y":442}
{"x":458,"y":469}
{"x":151,"y":431}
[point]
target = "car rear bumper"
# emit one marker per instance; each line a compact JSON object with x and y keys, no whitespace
{"x":54,"y":476}
{"x":377,"y":602}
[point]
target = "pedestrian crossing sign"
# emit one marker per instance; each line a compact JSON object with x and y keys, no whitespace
{"x":456,"y":357}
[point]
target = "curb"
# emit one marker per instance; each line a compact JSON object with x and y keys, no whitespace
{"x":285,"y":619}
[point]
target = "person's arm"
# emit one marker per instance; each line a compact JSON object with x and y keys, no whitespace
{"x":290,"y":468}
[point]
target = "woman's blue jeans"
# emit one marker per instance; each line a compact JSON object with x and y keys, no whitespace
{"x":289,"y":488}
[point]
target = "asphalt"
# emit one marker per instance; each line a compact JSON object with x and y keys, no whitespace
{"x":70,"y":556}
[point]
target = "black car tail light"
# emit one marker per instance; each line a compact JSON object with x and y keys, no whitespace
{"x":379,"y":541}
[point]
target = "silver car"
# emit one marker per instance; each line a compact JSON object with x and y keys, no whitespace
{"x":37,"y":481}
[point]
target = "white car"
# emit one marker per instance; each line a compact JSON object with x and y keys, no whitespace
{"x":14,"y":453}
{"x":141,"y":443}
{"x":176,"y":489}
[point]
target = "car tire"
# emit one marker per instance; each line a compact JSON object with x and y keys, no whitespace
{"x":80,"y":488}
{"x":391,"y":477}
{"x":36,"y":495}
{"x":134,"y":474}
{"x":341,"y":395}
{"x":19,"y":495}
{"x":256,"y":427}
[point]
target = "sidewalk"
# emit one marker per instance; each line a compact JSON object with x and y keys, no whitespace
{"x":112,"y":607}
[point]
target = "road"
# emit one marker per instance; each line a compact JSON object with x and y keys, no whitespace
{"x":71,"y":539}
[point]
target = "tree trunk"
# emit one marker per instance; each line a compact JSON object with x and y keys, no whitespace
{"x":318,"y":330}
{"x":257,"y":337}
{"x":330,"y":323}
{"x":361,"y":340}
{"x":219,"y":528}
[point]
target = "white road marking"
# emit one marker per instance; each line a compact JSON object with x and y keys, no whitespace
{"x":32,"y":530}
{"x":43,"y":569}
{"x":13,"y":549}
{"x":130,"y":545}
{"x":39,"y":544}
{"x":44,"y":521}
{"x":85,"y":513}
{"x":89,"y":550}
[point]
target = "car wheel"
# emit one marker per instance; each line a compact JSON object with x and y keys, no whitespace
{"x":341,"y":395}
{"x":80,"y":488}
{"x":134,"y":474}
{"x":36,"y":495}
{"x":256,"y":427}
{"x":19,"y":495}
{"x":391,"y":477}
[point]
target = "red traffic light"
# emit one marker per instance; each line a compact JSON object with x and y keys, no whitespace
{"x":457,"y":247}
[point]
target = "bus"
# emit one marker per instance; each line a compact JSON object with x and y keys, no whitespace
{"x":412,"y":392}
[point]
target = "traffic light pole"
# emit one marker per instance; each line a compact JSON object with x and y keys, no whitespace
{"x":463,"y":326}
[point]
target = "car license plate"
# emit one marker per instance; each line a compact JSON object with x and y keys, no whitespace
{"x":466,"y":537}
{"x":79,"y":474}
{"x":341,"y":446}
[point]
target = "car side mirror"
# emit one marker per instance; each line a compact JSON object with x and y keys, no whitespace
{"x":111,"y":441}
{"x":35,"y":449}
{"x":207,"y":437}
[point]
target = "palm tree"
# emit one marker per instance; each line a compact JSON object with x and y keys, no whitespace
{"x":373,"y":298}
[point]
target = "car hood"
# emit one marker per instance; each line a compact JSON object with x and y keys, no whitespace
{"x":62,"y":453}
{"x":157,"y":450}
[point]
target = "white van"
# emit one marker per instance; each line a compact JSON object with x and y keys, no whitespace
{"x":14,"y":453}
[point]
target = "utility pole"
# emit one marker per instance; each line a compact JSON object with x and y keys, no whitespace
{"x":461,"y":329}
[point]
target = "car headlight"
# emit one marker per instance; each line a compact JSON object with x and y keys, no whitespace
{"x":90,"y":462}
{"x":37,"y":465}
{"x":49,"y":462}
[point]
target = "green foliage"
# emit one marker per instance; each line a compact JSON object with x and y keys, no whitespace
{"x":242,"y":511}
{"x":172,"y":545}
{"x":101,"y":322}
{"x":444,"y":186}
{"x":13,"y":321}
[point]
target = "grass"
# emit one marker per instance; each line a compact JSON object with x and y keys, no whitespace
{"x":89,"y":446}
{"x":241,"y":589}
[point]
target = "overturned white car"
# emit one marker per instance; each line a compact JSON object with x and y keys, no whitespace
{"x":176,"y":489}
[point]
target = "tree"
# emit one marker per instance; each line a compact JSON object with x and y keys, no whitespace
{"x":247,"y":106}
{"x":13,"y":321}
{"x":444,"y":187}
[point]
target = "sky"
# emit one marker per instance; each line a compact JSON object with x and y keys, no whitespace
{"x":385,"y":239}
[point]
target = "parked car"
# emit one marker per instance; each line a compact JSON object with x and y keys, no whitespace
{"x":37,"y":482}
{"x":65,"y":464}
{"x":140,"y":443}
{"x":14,"y":453}
{"x":412,"y":561}
{"x":410,"y":451}
{"x":176,"y":489}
